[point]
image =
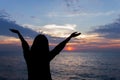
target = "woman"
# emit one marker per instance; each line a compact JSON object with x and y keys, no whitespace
{"x":38,"y":57}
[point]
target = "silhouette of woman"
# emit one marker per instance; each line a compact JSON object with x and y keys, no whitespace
{"x":38,"y":57}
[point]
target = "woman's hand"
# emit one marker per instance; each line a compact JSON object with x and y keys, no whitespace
{"x":14,"y":31}
{"x":75,"y":34}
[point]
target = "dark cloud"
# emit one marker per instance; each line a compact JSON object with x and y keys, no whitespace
{"x":6,"y":24}
{"x":110,"y":30}
{"x":73,"y":5}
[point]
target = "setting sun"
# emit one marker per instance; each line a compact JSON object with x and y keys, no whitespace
{"x":69,"y":48}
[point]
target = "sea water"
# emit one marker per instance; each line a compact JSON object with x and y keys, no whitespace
{"x":67,"y":66}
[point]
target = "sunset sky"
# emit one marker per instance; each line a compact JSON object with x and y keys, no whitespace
{"x":97,"y":20}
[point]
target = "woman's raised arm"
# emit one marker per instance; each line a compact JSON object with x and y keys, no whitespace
{"x":25,"y":45}
{"x":61,"y":45}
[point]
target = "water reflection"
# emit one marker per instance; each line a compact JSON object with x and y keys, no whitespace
{"x":87,"y":66}
{"x":66,"y":66}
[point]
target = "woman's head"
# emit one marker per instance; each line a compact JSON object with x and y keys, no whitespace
{"x":40,"y":43}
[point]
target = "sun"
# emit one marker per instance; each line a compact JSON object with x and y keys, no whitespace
{"x":69,"y":48}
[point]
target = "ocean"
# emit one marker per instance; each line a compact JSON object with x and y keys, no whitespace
{"x":66,"y":66}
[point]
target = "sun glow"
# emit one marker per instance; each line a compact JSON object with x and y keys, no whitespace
{"x":69,"y":48}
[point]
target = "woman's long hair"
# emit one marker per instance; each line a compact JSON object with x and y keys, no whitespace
{"x":40,"y":45}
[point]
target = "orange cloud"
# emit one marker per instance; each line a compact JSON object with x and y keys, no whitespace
{"x":84,"y":43}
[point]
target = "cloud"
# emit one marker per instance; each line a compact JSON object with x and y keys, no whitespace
{"x":58,"y":30}
{"x":54,"y":33}
{"x":6,"y":24}
{"x":54,"y":30}
{"x":111,"y":31}
{"x":97,"y":13}
{"x":88,"y":14}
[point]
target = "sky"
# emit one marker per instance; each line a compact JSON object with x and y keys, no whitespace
{"x":97,"y":20}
